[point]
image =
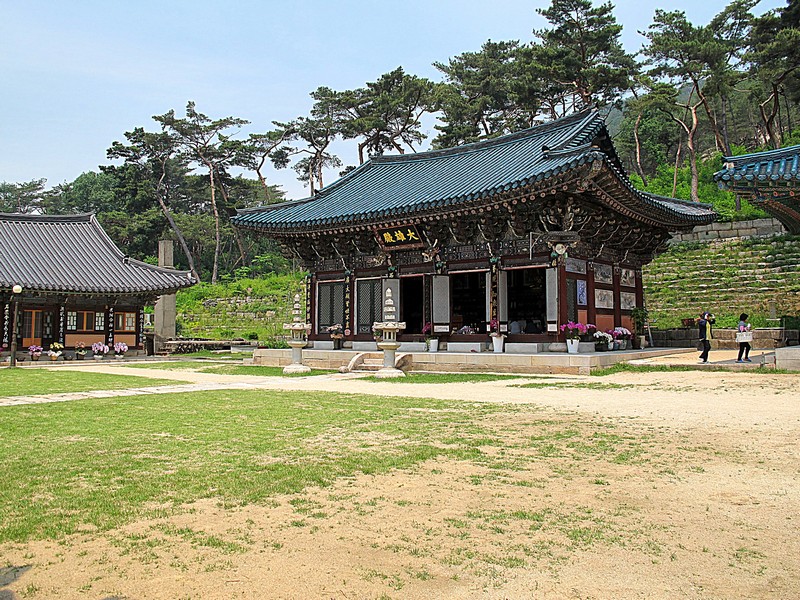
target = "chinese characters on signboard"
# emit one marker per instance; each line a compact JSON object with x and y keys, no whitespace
{"x":399,"y":238}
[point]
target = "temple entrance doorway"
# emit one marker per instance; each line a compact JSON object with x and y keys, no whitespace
{"x":32,"y":327}
{"x":527,"y":300}
{"x":412,"y":302}
{"x":468,"y":298}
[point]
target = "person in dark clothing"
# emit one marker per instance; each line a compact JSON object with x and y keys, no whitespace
{"x":744,"y":347}
{"x":704,"y":328}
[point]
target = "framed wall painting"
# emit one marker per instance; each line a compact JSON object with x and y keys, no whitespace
{"x":627,"y":300}
{"x":603,"y":273}
{"x":627,"y":278}
{"x":603,"y":298}
{"x":573,"y":265}
{"x":581,"y":289}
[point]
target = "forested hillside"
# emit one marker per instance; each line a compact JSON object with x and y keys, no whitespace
{"x":695,"y":92}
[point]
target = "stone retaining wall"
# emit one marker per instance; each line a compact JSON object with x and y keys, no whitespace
{"x":730,"y":229}
{"x":725,"y":339}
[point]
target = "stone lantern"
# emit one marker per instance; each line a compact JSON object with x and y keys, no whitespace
{"x":389,"y":344}
{"x":298,"y":340}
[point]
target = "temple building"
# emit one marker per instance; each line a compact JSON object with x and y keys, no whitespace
{"x":69,"y":283}
{"x":518,"y":234}
{"x":769,"y":180}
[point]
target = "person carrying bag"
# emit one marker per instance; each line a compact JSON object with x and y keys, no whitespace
{"x":744,"y":336}
{"x":704,"y":329}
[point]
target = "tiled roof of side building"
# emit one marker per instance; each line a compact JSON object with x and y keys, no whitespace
{"x":761,"y":167}
{"x":393,"y":186}
{"x":72,"y":253}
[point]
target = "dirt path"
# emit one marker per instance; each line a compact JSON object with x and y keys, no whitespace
{"x":653,"y":485}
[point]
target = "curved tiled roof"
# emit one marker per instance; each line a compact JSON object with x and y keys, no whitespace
{"x":768,"y":166}
{"x":72,"y":254}
{"x":769,"y":179}
{"x":394,"y":186}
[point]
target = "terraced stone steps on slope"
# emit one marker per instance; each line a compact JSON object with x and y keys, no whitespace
{"x":757,"y":276}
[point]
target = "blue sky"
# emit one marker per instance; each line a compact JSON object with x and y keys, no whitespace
{"x":76,"y":75}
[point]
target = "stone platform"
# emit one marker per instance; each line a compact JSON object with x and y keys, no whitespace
{"x":471,"y":362}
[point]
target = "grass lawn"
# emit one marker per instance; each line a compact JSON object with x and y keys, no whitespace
{"x":27,"y":381}
{"x":104,"y":462}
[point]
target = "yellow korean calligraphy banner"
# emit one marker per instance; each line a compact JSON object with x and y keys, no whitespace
{"x":405,"y":237}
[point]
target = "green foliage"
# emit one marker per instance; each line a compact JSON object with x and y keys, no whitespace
{"x":25,"y":382}
{"x":723,"y":201}
{"x":248,"y":308}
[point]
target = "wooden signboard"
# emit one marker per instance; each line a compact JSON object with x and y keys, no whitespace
{"x":405,"y":237}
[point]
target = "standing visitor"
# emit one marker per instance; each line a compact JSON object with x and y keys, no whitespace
{"x":744,"y":346}
{"x":704,"y":328}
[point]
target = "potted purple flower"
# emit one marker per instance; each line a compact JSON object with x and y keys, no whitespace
{"x":99,"y":350}
{"x":120,"y":348}
{"x":35,"y":351}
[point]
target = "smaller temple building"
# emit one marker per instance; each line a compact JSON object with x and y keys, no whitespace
{"x":68,"y":283}
{"x":769,"y":180}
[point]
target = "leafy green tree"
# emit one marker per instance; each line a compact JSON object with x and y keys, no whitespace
{"x":204,"y":141}
{"x":478,"y":98}
{"x":261,"y":147}
{"x":318,"y":132}
{"x":154,"y":156}
{"x":680,"y":53}
{"x":385,"y":115}
{"x":22,"y":197}
{"x":581,"y":51}
{"x":774,"y":56}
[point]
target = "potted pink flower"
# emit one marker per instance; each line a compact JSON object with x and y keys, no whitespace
{"x":35,"y":351}
{"x":573,"y":331}
{"x":498,"y":338}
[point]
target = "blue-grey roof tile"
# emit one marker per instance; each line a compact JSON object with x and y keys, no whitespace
{"x":72,"y":254}
{"x":402,"y":185}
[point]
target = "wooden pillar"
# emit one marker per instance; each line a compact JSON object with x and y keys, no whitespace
{"x":591,"y":310}
{"x":617,"y":310}
{"x":6,"y":325}
{"x":110,"y":326}
{"x":563,"y":309}
{"x":639,"y":288}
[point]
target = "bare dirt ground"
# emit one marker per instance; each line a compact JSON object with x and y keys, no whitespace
{"x":651,"y":485}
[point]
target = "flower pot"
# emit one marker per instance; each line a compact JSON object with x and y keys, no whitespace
{"x":623,"y":344}
{"x":35,"y":357}
{"x":119,"y":356}
{"x":80,"y":356}
{"x":610,"y":345}
{"x":643,"y":342}
{"x":498,"y":342}
{"x":433,"y":345}
{"x":615,"y":345}
{"x":98,"y":357}
{"x":601,"y":347}
{"x":572,"y":345}
{"x":54,"y":358}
